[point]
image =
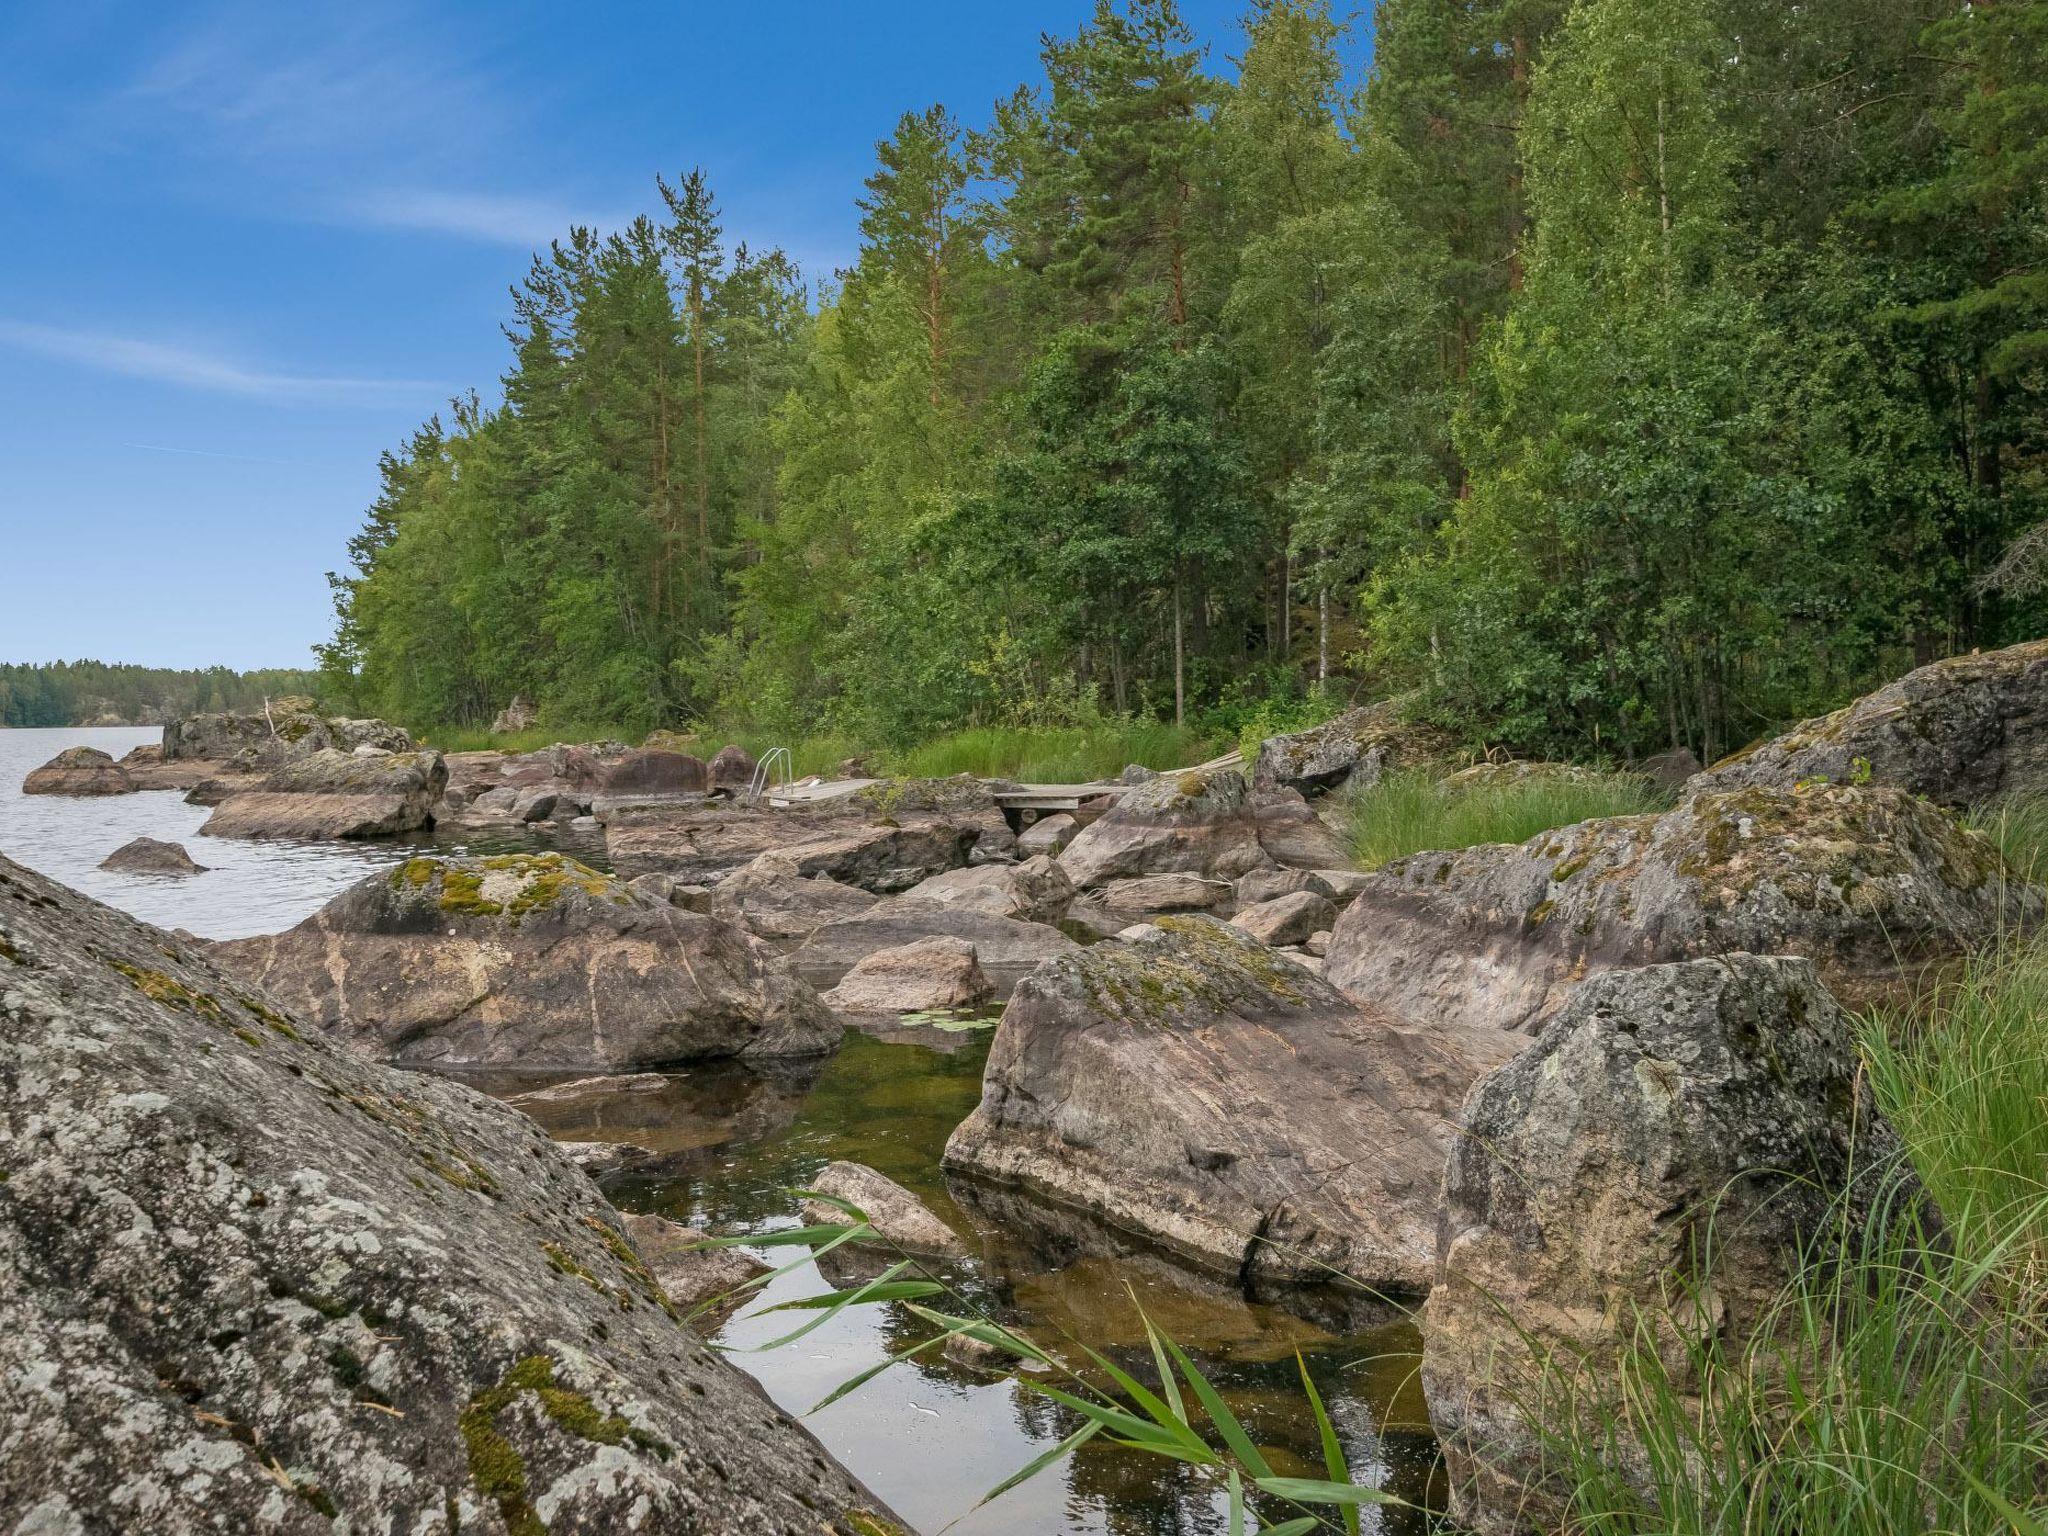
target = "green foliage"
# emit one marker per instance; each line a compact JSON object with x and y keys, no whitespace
{"x":79,"y":692}
{"x":1620,"y":375}
{"x":1416,"y":812}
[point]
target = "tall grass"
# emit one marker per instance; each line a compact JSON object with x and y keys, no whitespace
{"x":2020,"y":828}
{"x":1890,"y":1388}
{"x":1417,"y":812}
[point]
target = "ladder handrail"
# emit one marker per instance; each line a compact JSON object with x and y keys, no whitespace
{"x":757,"y":786}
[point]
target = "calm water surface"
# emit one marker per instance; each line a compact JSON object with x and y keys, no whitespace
{"x":249,"y":887}
{"x":928,"y":1436}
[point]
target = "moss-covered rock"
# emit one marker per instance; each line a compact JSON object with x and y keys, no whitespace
{"x":1355,"y":748}
{"x":257,"y":1284}
{"x":1961,"y":732}
{"x":1872,"y":884}
{"x":532,"y":960}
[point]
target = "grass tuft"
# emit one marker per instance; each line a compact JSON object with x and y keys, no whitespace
{"x":1414,"y":811}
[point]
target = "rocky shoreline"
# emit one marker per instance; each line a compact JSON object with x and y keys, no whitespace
{"x":1502,"y":1073}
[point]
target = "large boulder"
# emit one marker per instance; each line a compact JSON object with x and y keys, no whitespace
{"x":79,"y":771}
{"x":1355,"y":748}
{"x":148,"y":856}
{"x":1288,"y":919}
{"x":1148,"y":896}
{"x":1035,"y":891}
{"x":147,"y":768}
{"x":1006,"y":949}
{"x":1049,"y":835}
{"x":1872,"y":884}
{"x":732,"y":767}
{"x":330,"y":794}
{"x":693,"y":1274}
{"x":1678,"y":1132}
{"x":1292,"y":834}
{"x":919,"y":977}
{"x":773,"y":899}
{"x":654,"y":772}
{"x":1197,"y":823}
{"x":534,"y":961}
{"x":1201,"y":1090}
{"x":256,"y":1284}
{"x":1960,"y":731}
{"x":292,"y":725}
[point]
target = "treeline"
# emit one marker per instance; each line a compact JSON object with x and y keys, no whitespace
{"x":89,"y":692}
{"x":1615,"y":374}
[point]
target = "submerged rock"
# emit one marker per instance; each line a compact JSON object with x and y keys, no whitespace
{"x":1872,"y":884}
{"x":331,"y":794}
{"x":923,"y":976}
{"x":692,"y":1274}
{"x":1202,"y":1090}
{"x":1960,"y":732}
{"x":531,"y":961}
{"x":79,"y":771}
{"x":147,"y":856}
{"x":256,"y":1284}
{"x":1006,"y":949}
{"x":1355,"y":748}
{"x":894,"y":1212}
{"x":1676,"y":1132}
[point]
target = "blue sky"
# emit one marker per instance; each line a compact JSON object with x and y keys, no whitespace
{"x":248,"y":246}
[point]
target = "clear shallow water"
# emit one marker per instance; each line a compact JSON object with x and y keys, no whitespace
{"x":249,"y":887}
{"x":931,"y":1437}
{"x":928,"y":1436}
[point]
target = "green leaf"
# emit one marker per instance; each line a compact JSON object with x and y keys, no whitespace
{"x":1128,"y":1425}
{"x":788,"y":1237}
{"x":837,"y":1204}
{"x":844,"y":1300}
{"x":1066,"y":1447}
{"x":861,"y":1379}
{"x":987,"y":1332}
{"x":1298,"y":1526}
{"x":1167,"y":1384}
{"x":1236,"y":1504}
{"x":2023,"y":1524}
{"x":1220,"y":1415}
{"x":1308,"y":1490}
{"x":1163,"y":1415}
{"x":898,"y":1290}
{"x":1333,"y":1449}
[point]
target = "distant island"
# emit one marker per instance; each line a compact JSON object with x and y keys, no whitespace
{"x":112,"y":693}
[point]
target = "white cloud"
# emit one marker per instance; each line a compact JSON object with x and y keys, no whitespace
{"x":527,"y":222}
{"x":187,"y":367}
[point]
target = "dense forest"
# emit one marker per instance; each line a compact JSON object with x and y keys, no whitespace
{"x":98,"y":692}
{"x":1610,"y":374}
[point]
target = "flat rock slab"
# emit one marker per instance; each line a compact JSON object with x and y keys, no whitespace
{"x":257,"y":1284}
{"x":532,"y":961}
{"x":894,"y":1212}
{"x":332,"y":794}
{"x":927,"y":975}
{"x":1199,"y":1089}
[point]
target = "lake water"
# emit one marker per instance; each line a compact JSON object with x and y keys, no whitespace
{"x":929,"y":1437}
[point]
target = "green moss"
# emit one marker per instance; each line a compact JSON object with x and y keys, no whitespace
{"x":1541,"y":911}
{"x":497,"y":1468}
{"x":1210,"y":970}
{"x":542,"y":881}
{"x":317,"y":1496}
{"x":1192,"y":785}
{"x":11,"y":955}
{"x":464,"y":1173}
{"x":1571,"y":867}
{"x":172,"y":993}
{"x":860,"y":1523}
{"x":250,"y":1038}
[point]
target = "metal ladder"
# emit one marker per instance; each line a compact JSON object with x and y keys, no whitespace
{"x":764,"y":771}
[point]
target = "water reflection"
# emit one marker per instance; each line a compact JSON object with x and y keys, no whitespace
{"x":931,"y":1436}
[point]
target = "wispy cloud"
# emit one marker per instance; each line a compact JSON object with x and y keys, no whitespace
{"x":210,"y":453}
{"x":188,"y":367}
{"x":527,"y":222}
